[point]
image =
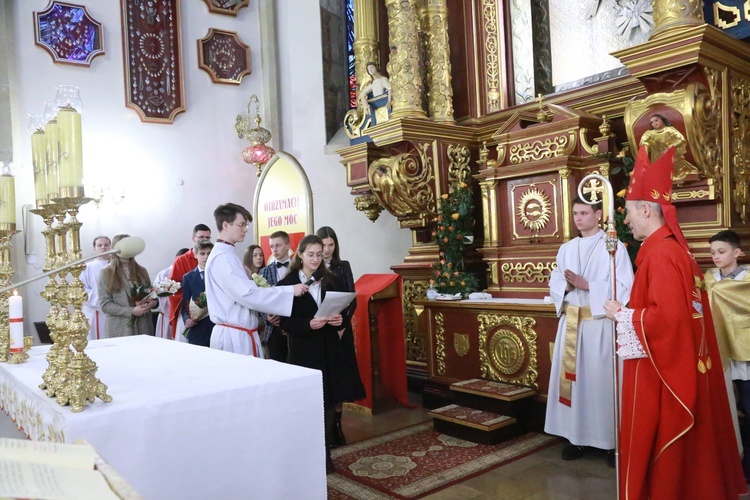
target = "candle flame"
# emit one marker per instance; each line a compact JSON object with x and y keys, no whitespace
{"x":15,"y":292}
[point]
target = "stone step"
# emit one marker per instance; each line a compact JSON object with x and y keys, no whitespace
{"x":496,"y":390}
{"x":474,"y":425}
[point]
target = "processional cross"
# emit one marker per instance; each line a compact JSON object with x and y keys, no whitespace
{"x":594,"y":187}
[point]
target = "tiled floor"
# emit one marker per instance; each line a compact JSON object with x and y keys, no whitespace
{"x":542,"y":475}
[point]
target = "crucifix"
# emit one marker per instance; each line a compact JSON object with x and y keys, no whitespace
{"x":594,"y":187}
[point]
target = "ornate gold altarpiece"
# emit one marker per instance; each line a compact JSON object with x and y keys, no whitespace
{"x":527,"y":161}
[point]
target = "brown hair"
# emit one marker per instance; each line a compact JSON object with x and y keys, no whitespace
{"x":116,"y":269}
{"x":247,"y":258}
{"x":328,"y":278}
{"x":228,"y":212}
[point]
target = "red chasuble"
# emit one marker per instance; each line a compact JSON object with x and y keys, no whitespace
{"x":182,"y":264}
{"x":676,"y":437}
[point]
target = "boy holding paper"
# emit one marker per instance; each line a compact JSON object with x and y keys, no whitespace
{"x":314,"y":342}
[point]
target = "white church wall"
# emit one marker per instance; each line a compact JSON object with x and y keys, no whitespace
{"x":173,"y":176}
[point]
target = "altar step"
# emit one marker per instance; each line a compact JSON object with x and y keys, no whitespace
{"x":474,"y":425}
{"x":485,"y":411}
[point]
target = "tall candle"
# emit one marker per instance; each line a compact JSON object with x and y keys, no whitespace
{"x":15,"y":309}
{"x":71,"y":160}
{"x":52,"y":138}
{"x":7,"y":199}
{"x":39,"y":161}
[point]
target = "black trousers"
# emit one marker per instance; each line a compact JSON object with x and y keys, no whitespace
{"x":278,"y":346}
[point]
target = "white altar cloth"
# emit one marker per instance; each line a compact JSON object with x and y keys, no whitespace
{"x":186,"y":421}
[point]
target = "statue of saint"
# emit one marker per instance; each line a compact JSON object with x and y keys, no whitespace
{"x":659,"y":137}
{"x":378,"y":86}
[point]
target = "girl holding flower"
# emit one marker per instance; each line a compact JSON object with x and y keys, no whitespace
{"x":127,"y":314}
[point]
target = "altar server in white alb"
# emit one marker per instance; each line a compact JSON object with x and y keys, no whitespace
{"x":580,"y":401}
{"x":233,"y":299}
{"x":90,"y":277}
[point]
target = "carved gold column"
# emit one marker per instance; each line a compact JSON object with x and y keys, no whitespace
{"x":366,"y":40}
{"x":492,"y":53}
{"x":566,"y":201}
{"x":434,"y":15}
{"x":405,"y":61}
{"x":671,"y":15}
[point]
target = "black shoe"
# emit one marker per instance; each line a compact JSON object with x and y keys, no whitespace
{"x":573,"y":452}
{"x":338,"y":433}
{"x":611,"y":459}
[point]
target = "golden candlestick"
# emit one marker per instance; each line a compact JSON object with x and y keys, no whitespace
{"x":81,"y":385}
{"x":7,"y":230}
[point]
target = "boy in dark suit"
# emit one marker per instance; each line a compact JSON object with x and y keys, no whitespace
{"x":273,"y":337}
{"x":193,"y":284}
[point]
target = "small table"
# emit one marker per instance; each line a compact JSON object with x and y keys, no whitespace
{"x":186,"y":421}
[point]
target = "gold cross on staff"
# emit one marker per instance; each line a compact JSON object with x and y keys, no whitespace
{"x":594,"y":187}
{"x":539,"y":98}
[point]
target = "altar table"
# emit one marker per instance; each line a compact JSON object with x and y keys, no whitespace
{"x":186,"y":421}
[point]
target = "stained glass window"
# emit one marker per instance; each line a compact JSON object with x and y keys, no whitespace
{"x":350,"y":53}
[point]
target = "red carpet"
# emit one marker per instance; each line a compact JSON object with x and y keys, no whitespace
{"x":416,"y":461}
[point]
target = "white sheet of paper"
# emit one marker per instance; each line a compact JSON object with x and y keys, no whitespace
{"x":334,"y":303}
{"x":48,"y":482}
{"x":80,"y":456}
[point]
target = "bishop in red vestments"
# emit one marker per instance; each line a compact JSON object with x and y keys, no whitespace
{"x":676,"y":434}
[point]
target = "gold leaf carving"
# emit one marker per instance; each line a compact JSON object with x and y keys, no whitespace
{"x":415,"y":341}
{"x":440,"y":343}
{"x":491,"y":50}
{"x":534,"y":209}
{"x":458,"y":166}
{"x":507,"y":349}
{"x":402,"y":183}
{"x":542,"y":149}
{"x":527,"y":271}
{"x":740,"y":145}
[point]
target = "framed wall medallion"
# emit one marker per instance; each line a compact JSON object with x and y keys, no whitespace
{"x":68,"y":33}
{"x":152,"y":51}
{"x":223,"y":56}
{"x":226,"y":7}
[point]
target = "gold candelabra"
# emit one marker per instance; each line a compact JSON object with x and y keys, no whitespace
{"x":70,"y":375}
{"x":7,"y":231}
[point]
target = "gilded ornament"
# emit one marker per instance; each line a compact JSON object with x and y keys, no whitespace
{"x":528,"y":272}
{"x":507,"y":349}
{"x":368,"y":204}
{"x":440,"y":343}
{"x":740,"y":145}
{"x":534,"y":209}
{"x":670,"y":15}
{"x":461,"y":343}
{"x":594,"y":188}
{"x":506,"y":352}
{"x":403,"y":183}
{"x":492,"y":53}
{"x":543,"y":149}
{"x":415,"y":340}
{"x":458,"y":164}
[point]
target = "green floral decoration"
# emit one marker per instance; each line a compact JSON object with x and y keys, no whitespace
{"x":454,"y":228}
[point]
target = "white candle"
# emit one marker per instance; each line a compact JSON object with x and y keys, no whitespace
{"x":71,"y":161}
{"x":15,"y":309}
{"x":52,"y":138}
{"x":7,"y":199}
{"x":39,"y":161}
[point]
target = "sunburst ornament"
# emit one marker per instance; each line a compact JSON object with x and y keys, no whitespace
{"x":534,"y":209}
{"x":634,"y":14}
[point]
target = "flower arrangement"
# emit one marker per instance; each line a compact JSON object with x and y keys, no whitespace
{"x":138,"y":293}
{"x":164,"y":288}
{"x":142,"y":291}
{"x":260,"y":281}
{"x":454,"y":224}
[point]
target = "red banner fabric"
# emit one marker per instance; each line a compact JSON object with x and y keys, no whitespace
{"x":390,"y":336}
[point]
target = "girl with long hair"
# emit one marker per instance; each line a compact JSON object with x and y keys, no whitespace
{"x":124,"y":318}
{"x":253,"y":260}
{"x":343,"y":273}
{"x":315,"y":342}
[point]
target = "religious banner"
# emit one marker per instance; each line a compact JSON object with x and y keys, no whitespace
{"x":283,"y":202}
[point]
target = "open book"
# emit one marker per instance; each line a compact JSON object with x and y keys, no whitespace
{"x":50,"y":471}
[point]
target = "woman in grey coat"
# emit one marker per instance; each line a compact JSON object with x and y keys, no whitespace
{"x":124,"y":318}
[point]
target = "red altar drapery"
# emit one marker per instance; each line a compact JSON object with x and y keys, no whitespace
{"x":390,"y":336}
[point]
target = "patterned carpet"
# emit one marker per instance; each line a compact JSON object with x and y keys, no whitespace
{"x":416,"y":461}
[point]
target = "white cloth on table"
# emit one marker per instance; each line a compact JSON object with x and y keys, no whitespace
{"x":589,"y":421}
{"x":91,"y":308}
{"x":163,"y":329}
{"x":235,"y":300}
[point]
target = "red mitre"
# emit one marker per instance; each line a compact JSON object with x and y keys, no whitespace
{"x":652,"y":181}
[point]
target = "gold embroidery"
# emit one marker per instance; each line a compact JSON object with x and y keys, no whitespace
{"x":701,"y":366}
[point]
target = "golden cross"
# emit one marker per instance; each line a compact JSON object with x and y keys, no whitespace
{"x":539,"y":98}
{"x":594,"y":188}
